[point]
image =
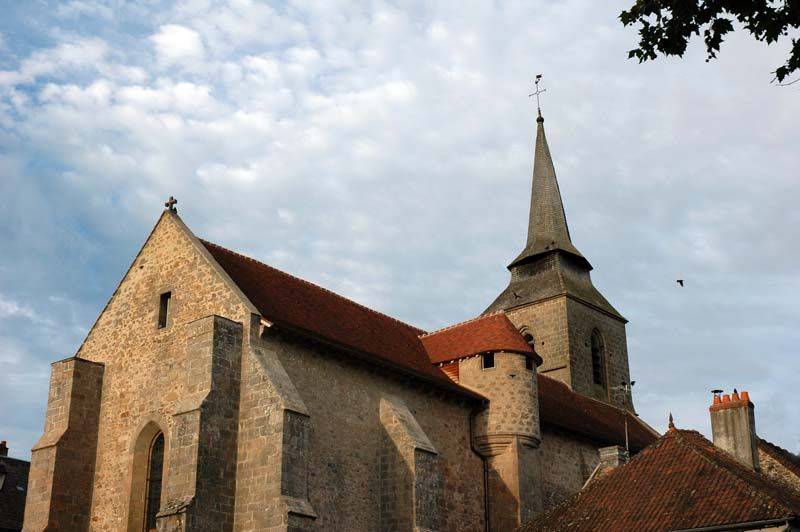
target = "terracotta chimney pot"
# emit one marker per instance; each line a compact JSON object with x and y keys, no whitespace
{"x":746,"y":396}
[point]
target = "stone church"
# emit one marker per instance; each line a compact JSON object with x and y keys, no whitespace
{"x":216,"y":393}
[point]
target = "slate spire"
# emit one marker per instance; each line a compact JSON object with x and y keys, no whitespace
{"x":547,"y":226}
{"x":550,"y":265}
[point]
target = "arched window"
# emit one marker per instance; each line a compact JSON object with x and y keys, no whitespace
{"x":155,"y":471}
{"x":598,"y":358}
{"x":530,"y":339}
{"x":531,"y":342}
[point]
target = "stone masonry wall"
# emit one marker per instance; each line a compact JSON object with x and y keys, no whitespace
{"x":62,"y":466}
{"x":562,"y":328}
{"x":202,"y":467}
{"x":567,"y":462}
{"x":146,"y":367}
{"x":547,"y":322}
{"x":507,"y":432}
{"x":347,"y":436}
{"x":273,"y":448}
{"x":512,"y":390}
{"x":583,"y":319}
{"x":410,"y":472}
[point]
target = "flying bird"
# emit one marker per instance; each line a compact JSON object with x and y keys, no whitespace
{"x":680,"y":282}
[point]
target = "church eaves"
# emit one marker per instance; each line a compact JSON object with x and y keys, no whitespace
{"x":547,"y":225}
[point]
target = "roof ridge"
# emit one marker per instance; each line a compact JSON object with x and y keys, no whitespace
{"x":461,"y":323}
{"x":314,"y":285}
{"x":782,"y":455}
{"x":778,"y":447}
{"x":734,"y":472}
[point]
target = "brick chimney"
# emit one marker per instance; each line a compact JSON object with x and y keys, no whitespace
{"x":733,"y":425}
{"x":3,"y":448}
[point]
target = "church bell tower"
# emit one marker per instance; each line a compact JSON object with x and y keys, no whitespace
{"x":551,"y":298}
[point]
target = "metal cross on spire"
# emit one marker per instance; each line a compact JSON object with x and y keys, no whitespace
{"x":537,"y":92}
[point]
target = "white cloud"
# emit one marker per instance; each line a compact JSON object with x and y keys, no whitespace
{"x":386,"y":153}
{"x":76,"y":54}
{"x":13,"y":309}
{"x":77,"y":8}
{"x":175,"y":43}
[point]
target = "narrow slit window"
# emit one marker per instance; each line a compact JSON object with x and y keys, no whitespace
{"x":164,"y":304}
{"x":488,"y":360}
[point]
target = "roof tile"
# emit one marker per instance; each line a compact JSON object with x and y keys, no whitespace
{"x":310,"y":310}
{"x":789,"y":460}
{"x":306,"y":308}
{"x":564,"y":408}
{"x":680,"y":482}
{"x":490,"y":333}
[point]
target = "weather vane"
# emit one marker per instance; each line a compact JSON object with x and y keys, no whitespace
{"x":537,"y":92}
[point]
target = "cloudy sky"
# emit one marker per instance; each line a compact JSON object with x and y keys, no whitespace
{"x":383,"y":150}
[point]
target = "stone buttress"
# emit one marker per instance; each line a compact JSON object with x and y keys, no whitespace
{"x":200,"y":481}
{"x":272,"y":485}
{"x":410,"y":481}
{"x":62,"y":464}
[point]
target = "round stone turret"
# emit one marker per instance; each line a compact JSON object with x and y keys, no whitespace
{"x":508,"y":380}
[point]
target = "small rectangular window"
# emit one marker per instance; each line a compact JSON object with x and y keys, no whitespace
{"x":163,"y":309}
{"x":488,"y":360}
{"x":529,"y":363}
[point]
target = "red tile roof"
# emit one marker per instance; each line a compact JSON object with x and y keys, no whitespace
{"x":560,"y":406}
{"x":308,"y":309}
{"x":490,"y":333}
{"x":680,"y":482}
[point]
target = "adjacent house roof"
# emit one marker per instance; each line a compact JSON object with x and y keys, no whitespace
{"x":13,"y":492}
{"x":782,"y":456}
{"x":563,"y":408}
{"x":481,"y":335}
{"x":681,"y":482}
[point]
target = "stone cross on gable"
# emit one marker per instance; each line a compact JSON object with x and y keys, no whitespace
{"x":170,"y":204}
